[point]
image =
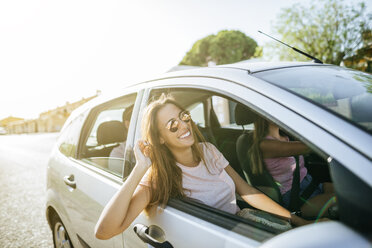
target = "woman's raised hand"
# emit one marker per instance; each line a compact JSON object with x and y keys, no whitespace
{"x":142,"y":154}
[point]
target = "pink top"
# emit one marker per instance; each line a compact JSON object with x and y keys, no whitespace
{"x":282,"y":168}
{"x":215,"y":187}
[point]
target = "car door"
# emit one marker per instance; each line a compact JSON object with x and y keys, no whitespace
{"x":94,"y":176}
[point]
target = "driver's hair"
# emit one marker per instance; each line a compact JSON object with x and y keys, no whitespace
{"x":261,"y":128}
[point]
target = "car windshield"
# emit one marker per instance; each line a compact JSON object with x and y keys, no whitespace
{"x":343,"y":91}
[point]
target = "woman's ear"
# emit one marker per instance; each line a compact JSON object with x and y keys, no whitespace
{"x":162,"y":141}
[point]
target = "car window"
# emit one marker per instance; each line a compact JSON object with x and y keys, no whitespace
{"x":345,"y":92}
{"x":197,"y":113}
{"x":225,"y":112}
{"x":67,"y":141}
{"x":105,"y":141}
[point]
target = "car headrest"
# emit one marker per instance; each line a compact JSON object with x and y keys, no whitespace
{"x":243,"y":115}
{"x":111,"y":132}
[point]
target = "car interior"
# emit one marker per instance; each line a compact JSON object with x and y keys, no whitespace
{"x":233,"y":137}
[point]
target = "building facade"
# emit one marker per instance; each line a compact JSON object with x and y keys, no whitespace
{"x":49,"y":121}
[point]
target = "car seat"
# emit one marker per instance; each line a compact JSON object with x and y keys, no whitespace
{"x":109,"y":135}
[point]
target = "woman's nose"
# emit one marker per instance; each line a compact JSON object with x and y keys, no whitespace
{"x":183,"y":123}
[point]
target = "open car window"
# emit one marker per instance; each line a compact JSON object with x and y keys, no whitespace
{"x":224,"y":109}
{"x":197,"y":113}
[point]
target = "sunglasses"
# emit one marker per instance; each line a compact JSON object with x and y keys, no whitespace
{"x":173,"y":124}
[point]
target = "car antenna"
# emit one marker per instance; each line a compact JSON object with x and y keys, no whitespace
{"x":297,"y":50}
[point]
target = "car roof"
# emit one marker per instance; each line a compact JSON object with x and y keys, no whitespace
{"x":248,"y":65}
{"x":253,"y":67}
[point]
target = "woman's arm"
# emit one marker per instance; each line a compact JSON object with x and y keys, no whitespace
{"x":128,"y":202}
{"x":259,"y":200}
{"x":276,"y":148}
{"x":123,"y":207}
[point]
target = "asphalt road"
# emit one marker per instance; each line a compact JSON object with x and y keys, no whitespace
{"x":23,"y":161}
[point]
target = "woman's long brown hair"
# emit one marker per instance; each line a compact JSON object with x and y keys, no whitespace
{"x":165,"y":176}
{"x":261,"y":128}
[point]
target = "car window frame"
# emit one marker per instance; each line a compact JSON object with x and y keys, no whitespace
{"x":88,"y":125}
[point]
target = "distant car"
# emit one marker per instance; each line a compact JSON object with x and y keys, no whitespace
{"x":327,"y":107}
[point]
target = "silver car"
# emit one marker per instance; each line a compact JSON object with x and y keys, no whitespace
{"x":329,"y":108}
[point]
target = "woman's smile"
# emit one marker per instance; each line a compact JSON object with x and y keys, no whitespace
{"x":185,"y":135}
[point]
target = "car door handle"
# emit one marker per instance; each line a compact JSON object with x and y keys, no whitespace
{"x":70,"y":181}
{"x":142,"y":232}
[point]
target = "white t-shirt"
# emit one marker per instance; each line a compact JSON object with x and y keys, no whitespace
{"x":116,"y":159}
{"x":212,"y":186}
{"x":118,"y":151}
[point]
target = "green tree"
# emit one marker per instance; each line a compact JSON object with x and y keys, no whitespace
{"x":228,"y":46}
{"x":327,"y":29}
{"x":362,"y":59}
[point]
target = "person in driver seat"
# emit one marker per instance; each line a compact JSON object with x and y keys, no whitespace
{"x":172,"y":161}
{"x":274,"y":151}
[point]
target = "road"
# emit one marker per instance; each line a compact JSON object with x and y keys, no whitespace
{"x":23,"y":161}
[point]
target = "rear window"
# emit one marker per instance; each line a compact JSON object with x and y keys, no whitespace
{"x":343,"y":91}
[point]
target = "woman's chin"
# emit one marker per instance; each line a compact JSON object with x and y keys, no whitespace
{"x":186,"y":142}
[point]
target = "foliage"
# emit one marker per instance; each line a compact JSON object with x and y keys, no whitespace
{"x":258,"y":52}
{"x":329,"y":30}
{"x":362,"y":59}
{"x":228,"y":46}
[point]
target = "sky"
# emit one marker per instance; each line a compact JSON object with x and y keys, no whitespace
{"x":52,"y":52}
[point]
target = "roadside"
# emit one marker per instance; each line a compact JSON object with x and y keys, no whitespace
{"x":23,"y":161}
